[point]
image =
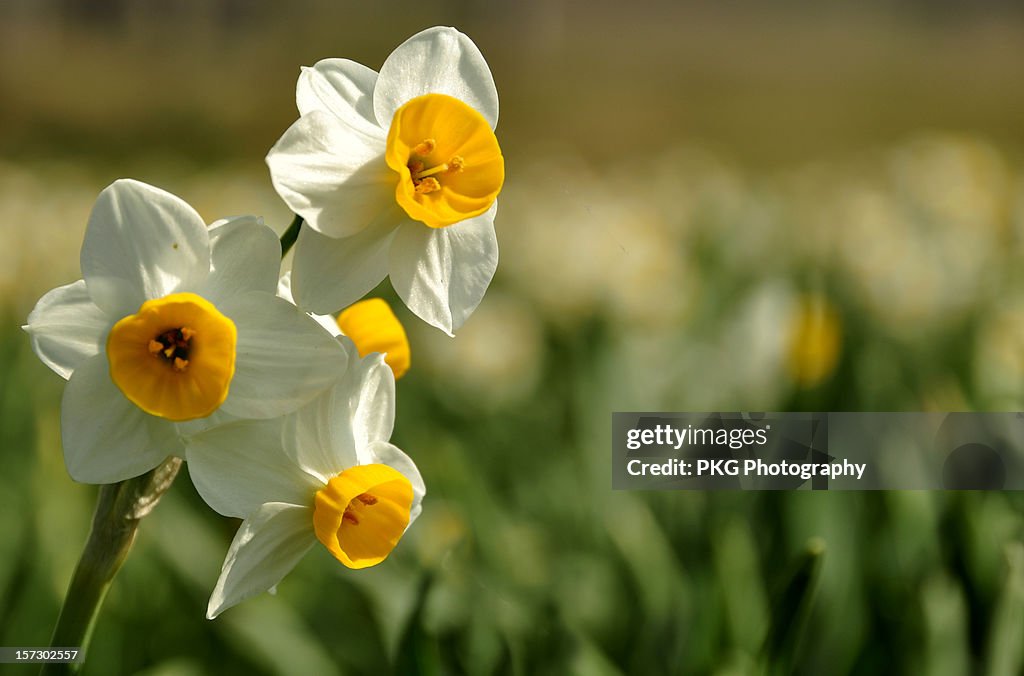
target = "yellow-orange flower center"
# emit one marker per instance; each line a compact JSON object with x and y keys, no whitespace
{"x":373,"y":327}
{"x":448,"y":160}
{"x":361,"y":514}
{"x":175,"y":357}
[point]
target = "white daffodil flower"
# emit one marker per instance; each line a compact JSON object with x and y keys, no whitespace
{"x":323,"y":473}
{"x":370,"y":324}
{"x":172,"y":322}
{"x":396,"y":173}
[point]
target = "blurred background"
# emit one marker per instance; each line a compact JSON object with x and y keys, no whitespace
{"x":812,"y":206}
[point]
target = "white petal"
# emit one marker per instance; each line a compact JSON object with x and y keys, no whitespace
{"x":342,"y":88}
{"x":266,"y":547}
{"x":284,"y":287}
{"x":309,"y":439}
{"x":239,"y":466}
{"x":368,"y":400}
{"x":190,"y":428}
{"x":67,"y":328}
{"x":324,"y":438}
{"x":392,"y":456}
{"x":142,"y":243}
{"x":442,"y":273}
{"x":245,"y":255}
{"x":329,"y":274}
{"x":329,"y":324}
{"x":284,"y":358}
{"x":439,"y":60}
{"x":331,"y":174}
{"x":284,"y":290}
{"x":106,"y":437}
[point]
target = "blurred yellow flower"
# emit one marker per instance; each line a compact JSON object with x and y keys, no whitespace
{"x":815,"y":339}
{"x":370,"y":324}
{"x":373,"y":327}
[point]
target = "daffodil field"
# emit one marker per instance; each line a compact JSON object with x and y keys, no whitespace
{"x":700,"y":210}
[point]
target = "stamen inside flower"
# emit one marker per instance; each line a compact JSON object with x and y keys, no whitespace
{"x":447,"y":158}
{"x":175,"y":358}
{"x":173,"y":346}
{"x":361,"y":514}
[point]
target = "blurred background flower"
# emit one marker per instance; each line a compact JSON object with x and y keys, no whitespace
{"x":707,"y":207}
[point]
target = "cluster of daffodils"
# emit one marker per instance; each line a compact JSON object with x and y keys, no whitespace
{"x":184,"y":340}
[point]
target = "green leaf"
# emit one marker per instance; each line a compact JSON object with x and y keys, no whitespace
{"x":790,"y":607}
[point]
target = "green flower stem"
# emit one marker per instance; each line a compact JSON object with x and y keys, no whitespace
{"x":119,"y":509}
{"x":290,"y":235}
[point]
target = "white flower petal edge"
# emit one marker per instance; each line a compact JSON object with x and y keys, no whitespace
{"x":330,"y":435}
{"x":239,"y":466}
{"x":331,"y":174}
{"x":266,"y":547}
{"x":343,"y":88}
{"x":280,"y":344}
{"x":245,"y":255}
{"x":392,"y":456}
{"x":369,"y":402}
{"x":284,"y":290}
{"x":67,"y":328}
{"x":219,"y":417}
{"x":438,"y":60}
{"x":309,"y":439}
{"x":329,"y":274}
{"x":442,"y":274}
{"x":142,"y":242}
{"x":106,"y":438}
